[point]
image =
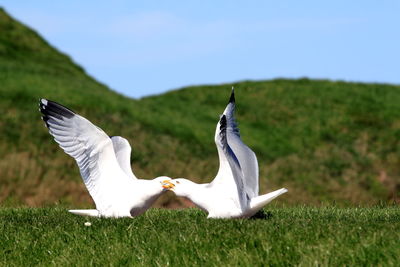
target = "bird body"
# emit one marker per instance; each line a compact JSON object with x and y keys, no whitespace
{"x":234,"y":192}
{"x":104,"y":164}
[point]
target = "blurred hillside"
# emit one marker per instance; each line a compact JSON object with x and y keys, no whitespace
{"x":325,"y":141}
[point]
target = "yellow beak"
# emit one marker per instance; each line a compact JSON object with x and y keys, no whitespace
{"x":167,"y":184}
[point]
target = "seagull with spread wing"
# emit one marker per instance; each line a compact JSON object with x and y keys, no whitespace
{"x":104,"y":164}
{"x":234,"y":191}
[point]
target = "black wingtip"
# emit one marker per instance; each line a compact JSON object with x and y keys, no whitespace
{"x":232,"y":98}
{"x":42,"y":107}
{"x":50,"y":108}
{"x":222,"y":122}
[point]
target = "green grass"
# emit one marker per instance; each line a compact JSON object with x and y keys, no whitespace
{"x":325,"y":141}
{"x":302,"y":236}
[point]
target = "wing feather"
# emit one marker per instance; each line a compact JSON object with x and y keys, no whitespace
{"x":246,"y":157}
{"x":123,"y":153}
{"x":230,"y":170}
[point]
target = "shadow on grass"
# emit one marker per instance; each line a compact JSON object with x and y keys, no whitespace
{"x":262,"y":215}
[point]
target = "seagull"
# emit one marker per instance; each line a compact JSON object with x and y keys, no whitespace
{"x":104,"y":164}
{"x":234,"y":191}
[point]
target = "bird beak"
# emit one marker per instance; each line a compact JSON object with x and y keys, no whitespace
{"x":167,"y":184}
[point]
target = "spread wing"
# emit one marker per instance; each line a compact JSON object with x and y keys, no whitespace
{"x":230,"y":172}
{"x":246,"y":157}
{"x":122,"y":151}
{"x":91,"y":148}
{"x":238,"y":162}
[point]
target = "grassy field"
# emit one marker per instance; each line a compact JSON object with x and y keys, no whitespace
{"x":302,"y":236}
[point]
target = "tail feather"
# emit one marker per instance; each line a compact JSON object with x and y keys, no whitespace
{"x":257,"y":203}
{"x":92,"y":213}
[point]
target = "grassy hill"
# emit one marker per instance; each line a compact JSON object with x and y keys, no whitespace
{"x":325,"y":141}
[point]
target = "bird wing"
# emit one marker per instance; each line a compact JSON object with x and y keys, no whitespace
{"x":230,"y":172}
{"x":91,"y":148}
{"x":246,"y":157}
{"x":122,"y":151}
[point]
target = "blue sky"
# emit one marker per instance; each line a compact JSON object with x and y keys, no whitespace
{"x":140,"y":48}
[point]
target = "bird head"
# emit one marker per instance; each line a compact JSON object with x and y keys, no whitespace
{"x":182,"y":187}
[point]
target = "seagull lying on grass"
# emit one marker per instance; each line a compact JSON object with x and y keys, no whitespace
{"x":234,"y":191}
{"x":104,"y":164}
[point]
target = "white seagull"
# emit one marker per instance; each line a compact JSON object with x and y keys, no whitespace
{"x":234,"y":191}
{"x":104,"y":164}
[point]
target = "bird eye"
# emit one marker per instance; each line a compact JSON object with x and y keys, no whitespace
{"x":178,"y":182}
